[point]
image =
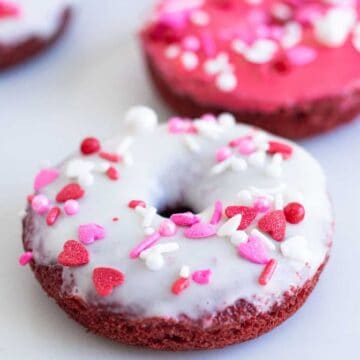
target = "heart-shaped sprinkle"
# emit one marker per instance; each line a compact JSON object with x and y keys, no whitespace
{"x":217,"y":214}
{"x":74,"y":254}
{"x":202,"y":277}
{"x":248,"y":215}
{"x":45,"y":177}
{"x":230,"y":226}
{"x":253,"y":250}
{"x":105,"y":279}
{"x":200,"y":231}
{"x":71,"y":191}
{"x":184,"y":219}
{"x":274,"y":224}
{"x":88,"y":233}
{"x":135,"y":203}
{"x":276,"y":147}
{"x":180,"y":285}
{"x":52,"y":215}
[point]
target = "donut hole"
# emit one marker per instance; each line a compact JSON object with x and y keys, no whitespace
{"x":174,"y":208}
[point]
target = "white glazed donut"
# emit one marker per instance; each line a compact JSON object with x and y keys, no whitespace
{"x":231,"y":176}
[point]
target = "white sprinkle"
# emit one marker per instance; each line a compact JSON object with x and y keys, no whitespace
{"x":149,"y":216}
{"x":296,"y":248}
{"x":269,"y":243}
{"x":189,"y":60}
{"x":172,"y":51}
{"x":184,"y":271}
{"x":292,"y":35}
{"x":260,"y":137}
{"x":192,"y":144}
{"x":86,"y":179}
{"x":208,"y":129}
{"x":226,"y":120}
{"x":141,"y":210}
{"x":262,"y":51}
{"x":281,"y":11}
{"x":200,"y":18}
{"x":78,"y":167}
{"x":226,"y":82}
{"x":257,"y":159}
{"x":238,"y":46}
{"x":230,"y":226}
{"x":245,"y":197}
{"x":238,"y":164}
{"x":162,"y":248}
{"x":140,"y":119}
{"x":149,"y":231}
{"x":102,"y":166}
{"x":239,"y":237}
{"x":154,"y":261}
{"x":125,"y":145}
{"x":221,"y":167}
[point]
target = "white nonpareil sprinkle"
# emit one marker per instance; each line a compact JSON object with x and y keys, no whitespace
{"x":192,"y":144}
{"x":141,"y":119}
{"x":149,"y":216}
{"x":239,"y":46}
{"x":296,"y":248}
{"x":239,"y":237}
{"x":226,"y":81}
{"x":86,"y":179}
{"x":269,"y":243}
{"x":218,"y":65}
{"x":221,"y":167}
{"x":281,"y":11}
{"x":189,"y":60}
{"x":200,"y":18}
{"x":209,"y":129}
{"x":238,"y":164}
{"x":261,"y":51}
{"x":184,"y":271}
{"x":154,"y":261}
{"x":172,"y":51}
{"x":226,"y":120}
{"x":293,"y":34}
{"x":257,"y":159}
{"x":230,"y":226}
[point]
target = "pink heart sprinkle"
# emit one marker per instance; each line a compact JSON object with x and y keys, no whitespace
{"x":202,"y":277}
{"x":200,"y":231}
{"x":253,"y":250}
{"x":184,"y":219}
{"x":217,"y":214}
{"x":301,"y":55}
{"x":45,"y":177}
{"x":88,"y":233}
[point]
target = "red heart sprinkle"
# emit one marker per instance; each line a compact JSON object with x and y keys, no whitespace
{"x":74,"y":254}
{"x":52,"y":215}
{"x":276,"y":147}
{"x":180,"y":285}
{"x":248,"y":215}
{"x":90,"y":146}
{"x":294,"y":213}
{"x":274,"y":224}
{"x":105,"y":279}
{"x":110,"y":157}
{"x":112,"y":173}
{"x":71,"y":191}
{"x":135,"y":203}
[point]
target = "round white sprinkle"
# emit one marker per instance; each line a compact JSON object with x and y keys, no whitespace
{"x":226,"y":82}
{"x":262,"y":51}
{"x":154,"y":261}
{"x":292,"y":34}
{"x":172,"y":51}
{"x":200,"y":18}
{"x":86,"y":179}
{"x":239,"y":46}
{"x":189,"y":60}
{"x":226,"y":120}
{"x":140,"y":119}
{"x":281,"y":11}
{"x":184,"y":271}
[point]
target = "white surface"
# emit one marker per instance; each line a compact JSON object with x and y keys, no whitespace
{"x":82,"y":87}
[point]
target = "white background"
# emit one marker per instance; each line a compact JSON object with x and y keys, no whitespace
{"x":83,"y":87}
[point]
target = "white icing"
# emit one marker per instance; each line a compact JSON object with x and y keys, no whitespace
{"x":166,"y":172}
{"x":37,"y":18}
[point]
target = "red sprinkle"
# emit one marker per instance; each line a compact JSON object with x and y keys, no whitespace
{"x":8,"y":9}
{"x":180,"y":285}
{"x":248,"y":215}
{"x":135,"y":203}
{"x":105,"y":279}
{"x":71,"y":191}
{"x":112,"y":173}
{"x":52,"y":215}
{"x":29,"y":198}
{"x":294,"y":213}
{"x":90,"y":146}
{"x":274,"y":224}
{"x":268,"y":272}
{"x":110,"y":157}
{"x":74,"y":254}
{"x":276,"y":147}
{"x":115,"y":219}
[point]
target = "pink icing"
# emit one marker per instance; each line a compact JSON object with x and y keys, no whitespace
{"x":307,"y":74}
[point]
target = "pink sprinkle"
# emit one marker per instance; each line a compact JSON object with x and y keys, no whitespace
{"x":253,"y":250}
{"x":71,"y":207}
{"x":173,"y":20}
{"x":245,"y":145}
{"x":208,"y":44}
{"x":223,"y":153}
{"x":208,"y":117}
{"x":25,"y":258}
{"x":301,"y":55}
{"x":307,"y":14}
{"x":184,"y":219}
{"x":202,"y":277}
{"x":200,"y":231}
{"x":261,"y":204}
{"x":88,"y":233}
{"x":40,"y":204}
{"x":191,"y":43}
{"x":167,"y":228}
{"x":217,"y":214}
{"x":145,"y":244}
{"x":178,"y":125}
{"x":268,"y":272}
{"x":45,"y":177}
{"x":135,"y":203}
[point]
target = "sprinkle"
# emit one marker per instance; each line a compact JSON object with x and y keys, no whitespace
{"x":245,"y":145}
{"x":149,"y":231}
{"x":202,"y":277}
{"x":40,"y":204}
{"x":52,"y":215}
{"x":88,"y":233}
{"x":301,"y":55}
{"x":209,"y":129}
{"x":248,"y":215}
{"x":268,"y":272}
{"x":110,"y":156}
{"x":115,"y":219}
{"x":292,"y":35}
{"x":263,"y":238}
{"x":192,"y":144}
{"x":90,"y":146}
{"x":102,"y":167}
{"x":294,"y":213}
{"x":143,"y":245}
{"x":185,"y":219}
{"x":112,"y":173}
{"x":178,"y":125}
{"x":160,"y":249}
{"x":253,"y":250}
{"x":223,"y":153}
{"x":105,"y":279}
{"x":154,"y":261}
{"x":200,"y":231}
{"x":149,"y":216}
{"x":185,"y":271}
{"x":86,"y":179}
{"x":135,"y":203}
{"x":71,"y":191}
{"x":257,"y":159}
{"x":25,"y":258}
{"x":200,"y":18}
{"x":230,"y":227}
{"x":71,"y":207}
{"x":239,"y":237}
{"x":140,"y":119}
{"x":167,"y":228}
{"x":78,"y":167}
{"x":172,"y":51}
{"x":191,"y":43}
{"x":8,"y":9}
{"x":221,"y":167}
{"x":217,"y":214}
{"x":180,"y":285}
{"x":239,"y":46}
{"x":238,"y":164}
{"x":226,"y":120}
{"x":296,"y":248}
{"x":226,"y":82}
{"x":281,"y":11}
{"x":276,"y":147}
{"x":73,"y":254}
{"x":261,"y":51}
{"x":45,"y":177}
{"x":274,"y":224}
{"x":189,"y":60}
{"x":262,"y":204}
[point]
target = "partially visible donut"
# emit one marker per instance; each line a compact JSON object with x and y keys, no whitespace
{"x":27,"y":28}
{"x":188,"y":235}
{"x":290,"y":67}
